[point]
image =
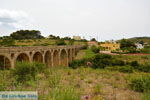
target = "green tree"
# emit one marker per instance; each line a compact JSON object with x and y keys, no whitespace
{"x":95,"y":49}
{"x":53,"y":37}
{"x":66,"y":38}
{"x":83,"y":40}
{"x":26,"y":34}
{"x":128,"y":46}
{"x":93,"y":39}
{"x":124,"y":43}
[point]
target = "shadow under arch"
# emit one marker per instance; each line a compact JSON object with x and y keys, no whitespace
{"x":4,"y":62}
{"x":37,"y":57}
{"x":73,"y":54}
{"x":63,"y":58}
{"x":48,"y":59}
{"x":22,"y":57}
{"x":56,"y":58}
{"x":69,"y":55}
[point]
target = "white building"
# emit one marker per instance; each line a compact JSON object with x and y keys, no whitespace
{"x":139,"y":46}
{"x":76,"y":37}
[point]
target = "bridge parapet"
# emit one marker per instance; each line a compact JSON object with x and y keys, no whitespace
{"x":16,"y":49}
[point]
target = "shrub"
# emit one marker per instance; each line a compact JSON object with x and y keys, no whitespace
{"x":60,"y":42}
{"x":71,"y":42}
{"x":25,"y":71}
{"x":78,"y":63}
{"x":134,"y":63}
{"x":40,"y":67}
{"x":132,"y":50}
{"x":101,"y":61}
{"x":103,"y":56}
{"x":126,"y":69}
{"x":144,"y":68}
{"x":115,"y":62}
{"x":98,"y":61}
{"x":8,"y":42}
{"x":140,"y":83}
{"x":95,"y":49}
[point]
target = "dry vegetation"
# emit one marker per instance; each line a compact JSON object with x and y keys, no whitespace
{"x":40,"y":42}
{"x":84,"y":83}
{"x":95,"y":84}
{"x":140,"y":58}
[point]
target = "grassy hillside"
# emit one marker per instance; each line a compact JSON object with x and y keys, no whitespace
{"x":137,"y":39}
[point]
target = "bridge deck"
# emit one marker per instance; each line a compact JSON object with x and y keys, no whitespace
{"x":32,"y":48}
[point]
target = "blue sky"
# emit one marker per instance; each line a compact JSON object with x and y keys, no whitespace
{"x":102,"y":19}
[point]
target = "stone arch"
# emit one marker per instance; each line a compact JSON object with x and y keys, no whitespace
{"x":63,"y":58}
{"x":56,"y":58}
{"x":37,"y":57}
{"x":48,"y":59}
{"x":22,"y":57}
{"x":4,"y":62}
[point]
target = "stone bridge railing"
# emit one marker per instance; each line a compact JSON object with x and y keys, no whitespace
{"x":49,"y":55}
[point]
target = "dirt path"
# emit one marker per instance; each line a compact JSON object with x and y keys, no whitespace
{"x":137,"y":54}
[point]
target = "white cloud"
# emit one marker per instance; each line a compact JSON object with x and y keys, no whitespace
{"x":11,"y":20}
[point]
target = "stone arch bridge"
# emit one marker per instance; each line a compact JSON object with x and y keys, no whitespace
{"x":49,"y":55}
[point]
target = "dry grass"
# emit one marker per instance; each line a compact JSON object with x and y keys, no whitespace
{"x":99,"y":84}
{"x":39,"y":42}
{"x":96,"y":84}
{"x":34,"y":42}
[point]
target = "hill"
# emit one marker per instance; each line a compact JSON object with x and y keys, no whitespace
{"x":138,"y":39}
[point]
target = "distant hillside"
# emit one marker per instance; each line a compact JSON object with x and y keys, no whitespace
{"x":137,"y":39}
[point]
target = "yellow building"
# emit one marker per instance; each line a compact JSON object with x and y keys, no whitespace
{"x":110,"y":46}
